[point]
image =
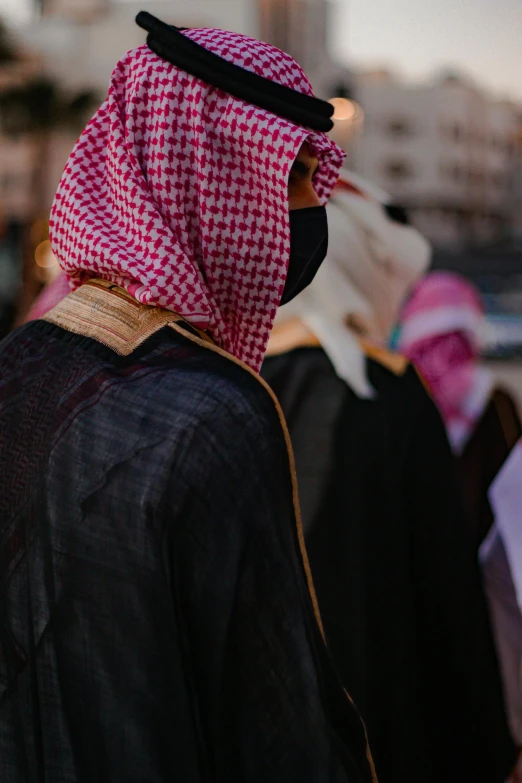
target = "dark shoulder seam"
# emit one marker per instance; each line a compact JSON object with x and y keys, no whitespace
{"x":508,"y":416}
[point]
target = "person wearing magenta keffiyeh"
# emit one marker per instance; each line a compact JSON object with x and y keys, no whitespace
{"x":157,"y":618}
{"x":441,"y":333}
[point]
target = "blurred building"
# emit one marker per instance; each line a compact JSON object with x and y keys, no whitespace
{"x":82,"y":48}
{"x":82,"y":10}
{"x":18,"y":66}
{"x":301,"y":27}
{"x":82,"y":39}
{"x":447,"y":151}
{"x":27,"y":103}
{"x":18,"y":159}
{"x":517,"y":184}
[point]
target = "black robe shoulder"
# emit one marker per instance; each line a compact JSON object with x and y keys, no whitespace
{"x":155,"y":620}
{"x":495,"y":435}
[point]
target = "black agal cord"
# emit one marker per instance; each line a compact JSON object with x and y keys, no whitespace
{"x":170,"y":44}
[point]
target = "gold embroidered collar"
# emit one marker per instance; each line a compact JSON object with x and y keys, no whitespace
{"x":289,"y":335}
{"x":110,"y":315}
{"x":296,"y":334}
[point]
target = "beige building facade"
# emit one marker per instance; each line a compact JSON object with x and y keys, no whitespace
{"x":446,"y":150}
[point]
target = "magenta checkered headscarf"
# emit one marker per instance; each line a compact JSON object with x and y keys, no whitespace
{"x":177,"y":191}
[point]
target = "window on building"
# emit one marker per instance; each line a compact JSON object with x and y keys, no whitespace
{"x":398,"y":170}
{"x":6,"y":182}
{"x":11,"y":182}
{"x":475,"y":176}
{"x":451,"y":171}
{"x":457,"y":133}
{"x":400,"y":128}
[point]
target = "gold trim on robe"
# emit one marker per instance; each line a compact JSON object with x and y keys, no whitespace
{"x":296,"y":334}
{"x":110,"y":315}
{"x":289,"y":335}
{"x":394,"y":362}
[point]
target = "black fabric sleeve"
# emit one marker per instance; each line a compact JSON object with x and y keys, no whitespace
{"x":261,"y":681}
{"x":460,"y":671}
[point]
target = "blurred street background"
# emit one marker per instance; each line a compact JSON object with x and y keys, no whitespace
{"x":428,"y":103}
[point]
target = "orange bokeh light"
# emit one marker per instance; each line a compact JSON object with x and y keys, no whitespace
{"x":44,"y":256}
{"x":344,"y":109}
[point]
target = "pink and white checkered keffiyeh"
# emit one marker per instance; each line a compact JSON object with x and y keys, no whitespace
{"x":440,"y":333}
{"x":177,"y":191}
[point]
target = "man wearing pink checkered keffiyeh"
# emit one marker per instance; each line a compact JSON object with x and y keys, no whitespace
{"x":158,"y":620}
{"x":442,"y":329}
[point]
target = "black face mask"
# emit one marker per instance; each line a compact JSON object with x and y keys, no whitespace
{"x":308,"y":248}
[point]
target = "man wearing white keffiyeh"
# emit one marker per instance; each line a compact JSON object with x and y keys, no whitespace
{"x":394,"y":566}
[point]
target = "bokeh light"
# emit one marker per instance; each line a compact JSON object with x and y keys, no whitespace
{"x":345,"y":109}
{"x":44,"y":256}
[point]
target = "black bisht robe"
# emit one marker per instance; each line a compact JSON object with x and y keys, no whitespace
{"x":155,"y":619}
{"x":495,"y":435}
{"x":395,"y":569}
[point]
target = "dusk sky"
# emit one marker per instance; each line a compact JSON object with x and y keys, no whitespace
{"x":481,"y":37}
